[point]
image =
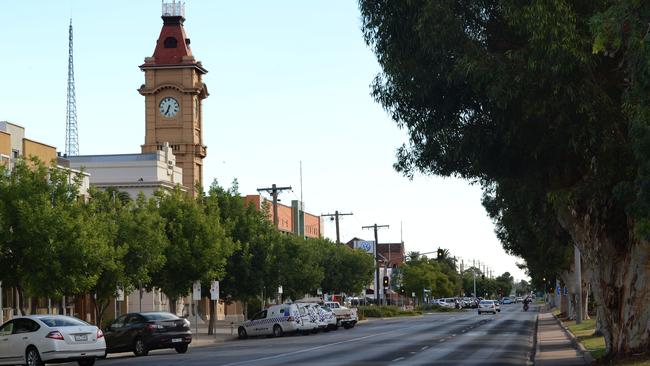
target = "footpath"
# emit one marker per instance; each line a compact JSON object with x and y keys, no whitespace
{"x":224,"y":332}
{"x":555,"y":346}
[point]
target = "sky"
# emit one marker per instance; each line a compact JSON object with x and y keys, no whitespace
{"x":289,"y":81}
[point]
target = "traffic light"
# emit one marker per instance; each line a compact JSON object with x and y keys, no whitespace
{"x":441,"y":253}
{"x":402,"y":290}
{"x":385,"y":281}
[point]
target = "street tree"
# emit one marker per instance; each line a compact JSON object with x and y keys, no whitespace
{"x":546,"y":94}
{"x":248,"y":267}
{"x":346,"y":270}
{"x":295,"y":266}
{"x":137,"y":242}
{"x":51,"y":248}
{"x":197,"y":248}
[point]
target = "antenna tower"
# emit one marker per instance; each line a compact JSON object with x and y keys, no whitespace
{"x":71,"y":133}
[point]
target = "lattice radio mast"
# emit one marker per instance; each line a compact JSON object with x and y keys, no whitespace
{"x":71,"y":133}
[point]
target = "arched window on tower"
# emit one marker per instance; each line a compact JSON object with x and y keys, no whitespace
{"x":170,"y":42}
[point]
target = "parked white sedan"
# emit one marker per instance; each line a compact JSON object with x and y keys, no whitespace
{"x":36,"y":339}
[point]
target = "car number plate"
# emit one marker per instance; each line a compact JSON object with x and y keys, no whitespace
{"x":81,"y":338}
{"x":176,"y":340}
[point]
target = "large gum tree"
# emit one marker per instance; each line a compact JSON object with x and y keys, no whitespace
{"x":552,"y":94}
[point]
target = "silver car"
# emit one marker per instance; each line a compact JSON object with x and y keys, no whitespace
{"x":487,"y":306}
{"x":36,"y":339}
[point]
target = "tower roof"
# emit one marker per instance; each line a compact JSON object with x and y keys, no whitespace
{"x":173,"y":46}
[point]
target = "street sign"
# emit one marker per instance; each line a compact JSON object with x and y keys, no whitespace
{"x":214,"y":290}
{"x":412,"y":294}
{"x":196,"y":290}
{"x":559,"y":290}
{"x":566,"y":290}
{"x":120,"y":294}
{"x":367,"y":246}
{"x":280,"y":289}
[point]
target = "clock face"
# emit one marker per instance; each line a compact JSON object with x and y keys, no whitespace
{"x":169,"y":107}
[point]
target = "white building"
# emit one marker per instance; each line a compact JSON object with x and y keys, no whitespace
{"x":131,"y":173}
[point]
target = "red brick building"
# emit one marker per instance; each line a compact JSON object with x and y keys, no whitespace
{"x":289,"y":217}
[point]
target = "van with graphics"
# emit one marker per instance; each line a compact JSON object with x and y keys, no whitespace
{"x":275,"y":320}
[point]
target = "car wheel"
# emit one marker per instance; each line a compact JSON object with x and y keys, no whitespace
{"x":139,"y":348}
{"x":86,"y":362}
{"x":33,"y":357}
{"x":277,"y":331}
{"x":242,"y":333}
{"x":181,"y":348}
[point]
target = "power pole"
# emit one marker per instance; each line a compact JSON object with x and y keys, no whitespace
{"x":336,"y":215}
{"x":273,"y":191}
{"x":376,"y":227}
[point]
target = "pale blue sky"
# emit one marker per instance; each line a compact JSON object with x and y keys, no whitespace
{"x":288,"y":81}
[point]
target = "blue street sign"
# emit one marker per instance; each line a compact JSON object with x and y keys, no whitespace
{"x":558,"y":289}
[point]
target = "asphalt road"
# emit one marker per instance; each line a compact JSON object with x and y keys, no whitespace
{"x":463,"y":338}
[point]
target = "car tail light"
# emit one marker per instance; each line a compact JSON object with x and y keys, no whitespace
{"x":55,"y":335}
{"x":100,"y":334}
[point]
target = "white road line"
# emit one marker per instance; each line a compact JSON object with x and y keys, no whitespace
{"x":423,"y":348}
{"x":398,"y":359}
{"x":442,"y":340}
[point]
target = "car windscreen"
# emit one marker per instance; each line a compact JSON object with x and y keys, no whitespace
{"x":63,"y":322}
{"x":486,"y":302}
{"x":159,"y":316}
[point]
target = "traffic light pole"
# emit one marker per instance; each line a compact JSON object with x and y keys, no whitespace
{"x":377,"y":287}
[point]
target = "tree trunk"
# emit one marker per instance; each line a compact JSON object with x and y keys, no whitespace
{"x":619,"y":271}
{"x":172,"y":305}
{"x":21,"y":300}
{"x":213,"y":317}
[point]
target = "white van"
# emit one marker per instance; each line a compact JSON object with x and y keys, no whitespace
{"x":275,"y":320}
{"x":310,"y":318}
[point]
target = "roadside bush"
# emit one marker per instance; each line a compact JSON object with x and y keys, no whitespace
{"x":435,"y":308}
{"x":384,"y":312}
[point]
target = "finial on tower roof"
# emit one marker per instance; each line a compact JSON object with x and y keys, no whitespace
{"x":173,"y":9}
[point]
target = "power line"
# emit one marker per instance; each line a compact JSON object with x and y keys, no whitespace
{"x":336,"y":215}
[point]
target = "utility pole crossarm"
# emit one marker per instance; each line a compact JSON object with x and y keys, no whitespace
{"x":273,"y":191}
{"x":336,"y":215}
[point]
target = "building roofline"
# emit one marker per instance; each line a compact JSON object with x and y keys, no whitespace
{"x":40,"y":143}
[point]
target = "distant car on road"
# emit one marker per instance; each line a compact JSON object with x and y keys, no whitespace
{"x":487,"y":306}
{"x":142,"y":332}
{"x":506,"y":301}
{"x":36,"y":339}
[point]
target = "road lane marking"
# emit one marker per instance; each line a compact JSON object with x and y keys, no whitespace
{"x":442,"y":340}
{"x":398,"y":359}
{"x":423,"y":348}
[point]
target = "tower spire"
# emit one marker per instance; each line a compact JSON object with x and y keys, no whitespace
{"x":71,"y":133}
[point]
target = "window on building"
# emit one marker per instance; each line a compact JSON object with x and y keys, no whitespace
{"x":15,"y":153}
{"x":171,"y":42}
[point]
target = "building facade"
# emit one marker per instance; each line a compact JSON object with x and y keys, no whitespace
{"x":173,"y":91}
{"x":131,"y":173}
{"x":291,"y":219}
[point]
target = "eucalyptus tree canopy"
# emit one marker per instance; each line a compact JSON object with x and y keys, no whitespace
{"x":548,"y":94}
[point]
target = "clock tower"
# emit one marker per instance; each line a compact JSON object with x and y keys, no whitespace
{"x":173,"y":91}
